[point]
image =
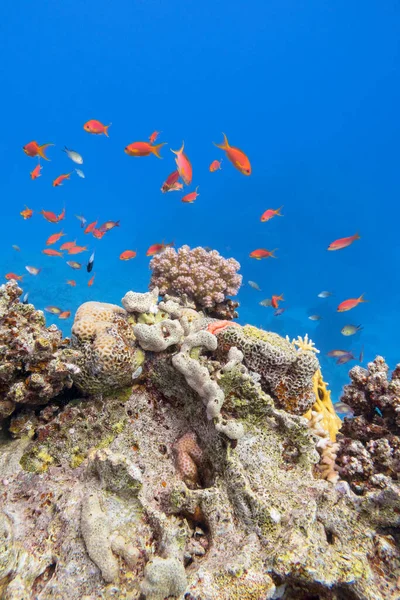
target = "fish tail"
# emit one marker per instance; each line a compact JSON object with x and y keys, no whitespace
{"x":177,"y":151}
{"x":361,"y":299}
{"x":156,"y":149}
{"x":357,"y":236}
{"x":278,"y":211}
{"x":272,"y":255}
{"x":41,"y":150}
{"x":106,"y":129}
{"x":224,"y":145}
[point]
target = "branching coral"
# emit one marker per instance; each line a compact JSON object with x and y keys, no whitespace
{"x":204,"y":276}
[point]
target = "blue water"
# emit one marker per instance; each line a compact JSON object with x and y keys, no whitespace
{"x":310,"y":91}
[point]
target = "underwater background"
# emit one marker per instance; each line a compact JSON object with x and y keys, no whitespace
{"x":308,"y":90}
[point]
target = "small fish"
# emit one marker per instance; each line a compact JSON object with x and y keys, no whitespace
{"x":175,"y":187}
{"x":262,"y":253}
{"x":80,"y":173}
{"x":58,"y":180}
{"x":73,"y":264}
{"x":361,"y":357}
{"x":343,"y":242}
{"x":71,"y":282}
{"x":336,"y":353}
{"x":351,"y":303}
{"x":266,"y":302}
{"x":270,"y":214}
{"x":171,"y":180}
{"x":143,"y":149}
{"x":36,"y":172}
{"x":127,"y":255}
{"x":26,"y":213}
{"x":13,"y":276}
{"x":238,"y":158}
{"x":343,"y":409}
{"x":184,"y":165}
{"x":49,"y":216}
{"x":65,"y":314}
{"x":33,"y":149}
{"x":25,"y":298}
{"x":68,"y":245}
{"x":108,"y":225}
{"x":74,"y":156}
{"x":189,"y":198}
{"x":17,"y":248}
{"x":98,"y":234}
{"x":137,"y":373}
{"x":51,"y":252}
{"x":54,"y":310}
{"x":82,"y":220}
{"x":215,"y":166}
{"x":90,"y":227}
{"x":61,"y":216}
{"x":154,"y":136}
{"x":77,"y":249}
{"x":342,"y":360}
{"x":54,"y":238}
{"x":254,"y":285}
{"x":33,"y":270}
{"x":156,"y":248}
{"x":275,"y":300}
{"x":279,"y":311}
{"x":315,"y":318}
{"x":350,"y":329}
{"x":94,"y":126}
{"x":325,"y":294}
{"x":90,"y":263}
{"x":91,"y":281}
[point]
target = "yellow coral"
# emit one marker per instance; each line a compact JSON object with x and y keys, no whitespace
{"x":330,"y":421}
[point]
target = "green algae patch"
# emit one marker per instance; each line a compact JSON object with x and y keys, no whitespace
{"x":243,"y":399}
{"x":37,"y":460}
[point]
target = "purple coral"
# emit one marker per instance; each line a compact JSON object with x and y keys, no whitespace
{"x":206,"y":277}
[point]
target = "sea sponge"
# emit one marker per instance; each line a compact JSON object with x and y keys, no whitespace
{"x":159,"y":336}
{"x":108,"y":352}
{"x":163,"y":577}
{"x":135,"y":302}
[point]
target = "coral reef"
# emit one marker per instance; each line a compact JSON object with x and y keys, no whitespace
{"x":369,"y":442}
{"x":205,"y":276}
{"x":34,"y":363}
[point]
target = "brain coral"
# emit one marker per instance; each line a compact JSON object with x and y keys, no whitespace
{"x":286,"y":371}
{"x":109,"y":356}
{"x":206,"y":277}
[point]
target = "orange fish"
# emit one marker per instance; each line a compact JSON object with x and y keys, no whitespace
{"x":65,"y":314}
{"x":189,"y":198}
{"x":183,"y":164}
{"x":275,"y":300}
{"x":90,"y":227}
{"x":11,"y":276}
{"x":61,"y":216}
{"x":96,"y":127}
{"x":91,"y":281}
{"x":127,"y":254}
{"x":71,"y":282}
{"x":143,"y":149}
{"x":77,"y":249}
{"x":49,"y":216}
{"x":58,"y":180}
{"x":108,"y":225}
{"x":98,"y":234}
{"x":33,"y":149}
{"x":262,"y":253}
{"x":343,"y":242}
{"x":156,"y":248}
{"x":68,"y":245}
{"x":351,"y":303}
{"x":51,"y":252}
{"x":270,"y":214}
{"x":26,"y":213}
{"x":175,"y":187}
{"x":215,"y":165}
{"x":236,"y":156}
{"x":154,"y":136}
{"x":54,"y":238}
{"x":36,"y":172}
{"x":171,"y":180}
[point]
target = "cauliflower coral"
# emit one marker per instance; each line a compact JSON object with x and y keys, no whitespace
{"x":206,"y":277}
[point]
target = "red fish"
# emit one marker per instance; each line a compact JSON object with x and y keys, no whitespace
{"x":275,"y":300}
{"x":170,"y":181}
{"x":143,"y":149}
{"x":51,"y":252}
{"x":11,"y":276}
{"x":270,"y":214}
{"x":77,"y":249}
{"x":236,"y":156}
{"x":36,"y":172}
{"x":98,"y":234}
{"x":65,"y":314}
{"x":71,"y":282}
{"x":58,"y":180}
{"x":91,"y":281}
{"x":215,"y":165}
{"x":154,"y":136}
{"x":68,"y":245}
{"x":191,"y":197}
{"x":49,"y":216}
{"x":184,"y":165}
{"x":61,"y":216}
{"x":108,"y":225}
{"x":262,"y":253}
{"x":26,"y":213}
{"x":175,"y":187}
{"x":156,"y":248}
{"x":351,"y":303}
{"x":33,"y":149}
{"x":127,"y":255}
{"x":96,"y":127}
{"x":90,"y":227}
{"x":54,"y":238}
{"x":343,"y":242}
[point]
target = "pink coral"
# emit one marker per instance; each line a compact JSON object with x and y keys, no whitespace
{"x":206,"y":277}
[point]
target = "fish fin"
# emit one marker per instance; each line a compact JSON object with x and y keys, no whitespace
{"x":357,"y":236}
{"x":41,"y":150}
{"x":272,"y":255}
{"x":156,"y":149}
{"x":106,"y":129}
{"x":224,"y":145}
{"x":278,"y":211}
{"x":361,"y":299}
{"x":177,"y":151}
